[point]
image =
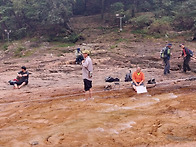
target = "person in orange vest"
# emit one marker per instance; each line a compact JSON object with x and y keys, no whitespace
{"x":138,"y":78}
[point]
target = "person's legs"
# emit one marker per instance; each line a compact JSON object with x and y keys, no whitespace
{"x":15,"y":86}
{"x":187,"y":63}
{"x":87,"y":88}
{"x":24,"y":83}
{"x":167,"y":66}
{"x":184,"y":65}
{"x":134,"y":86}
{"x":88,"y":94}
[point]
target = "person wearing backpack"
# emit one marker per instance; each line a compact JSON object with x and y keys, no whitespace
{"x":186,"y":54}
{"x":165,"y":55}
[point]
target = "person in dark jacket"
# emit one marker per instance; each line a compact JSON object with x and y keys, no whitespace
{"x":23,"y":77}
{"x":166,"y":58}
{"x":186,"y":56}
{"x":79,"y":56}
{"x":128,"y":76}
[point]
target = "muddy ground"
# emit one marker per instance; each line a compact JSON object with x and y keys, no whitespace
{"x":51,"y":111}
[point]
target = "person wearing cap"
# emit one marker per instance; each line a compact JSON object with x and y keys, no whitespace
{"x":138,"y":78}
{"x":79,"y":56}
{"x":23,"y":77}
{"x":87,"y":69}
{"x":186,"y":56}
{"x":166,"y":58}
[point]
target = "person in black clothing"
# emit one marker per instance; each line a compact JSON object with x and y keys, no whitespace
{"x":23,"y":77}
{"x":128,"y":77}
{"x":187,"y":58}
{"x":79,"y":56}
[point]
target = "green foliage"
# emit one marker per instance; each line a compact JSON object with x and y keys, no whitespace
{"x":73,"y":38}
{"x":161,"y":26}
{"x":64,"y":45}
{"x":5,"y":47}
{"x":141,"y":21}
{"x":51,"y":17}
{"x":19,"y":52}
{"x":117,"y":7}
{"x":25,"y":17}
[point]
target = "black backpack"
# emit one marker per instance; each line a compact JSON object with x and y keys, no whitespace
{"x":110,"y":79}
{"x":162,"y":53}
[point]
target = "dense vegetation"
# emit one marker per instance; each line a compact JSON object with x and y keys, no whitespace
{"x":51,"y":17}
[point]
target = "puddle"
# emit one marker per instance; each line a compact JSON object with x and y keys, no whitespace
{"x":100,"y":129}
{"x":116,"y":108}
{"x":79,"y":100}
{"x":156,"y":99}
{"x":127,"y":125}
{"x":172,"y":96}
{"x":165,"y":96}
{"x":113,"y":131}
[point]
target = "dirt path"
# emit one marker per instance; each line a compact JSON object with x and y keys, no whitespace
{"x":113,"y":118}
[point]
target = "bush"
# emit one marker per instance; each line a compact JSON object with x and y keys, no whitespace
{"x":117,"y":7}
{"x":73,"y":38}
{"x":142,"y":21}
{"x":5,"y":47}
{"x":183,"y":23}
{"x":160,"y":26}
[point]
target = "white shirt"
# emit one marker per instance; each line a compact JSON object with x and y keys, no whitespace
{"x":87,"y":66}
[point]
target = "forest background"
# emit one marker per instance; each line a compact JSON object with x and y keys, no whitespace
{"x":50,"y":18}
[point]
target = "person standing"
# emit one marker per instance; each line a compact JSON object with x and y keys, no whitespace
{"x":165,"y":55}
{"x":87,"y":70}
{"x":138,"y":78}
{"x":187,"y":57}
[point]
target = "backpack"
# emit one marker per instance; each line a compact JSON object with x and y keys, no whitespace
{"x":111,"y":79}
{"x":128,"y":77}
{"x":162,"y":53}
{"x":190,"y":52}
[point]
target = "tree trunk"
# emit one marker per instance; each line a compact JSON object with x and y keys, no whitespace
{"x":85,"y":5}
{"x":3,"y":27}
{"x":102,"y":8}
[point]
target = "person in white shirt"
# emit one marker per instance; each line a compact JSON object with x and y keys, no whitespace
{"x":87,"y":70}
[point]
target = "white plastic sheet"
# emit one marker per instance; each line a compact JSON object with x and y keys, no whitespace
{"x":141,"y":89}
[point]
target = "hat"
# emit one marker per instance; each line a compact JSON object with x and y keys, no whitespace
{"x":182,"y":44}
{"x":86,"y":52}
{"x":169,"y":44}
